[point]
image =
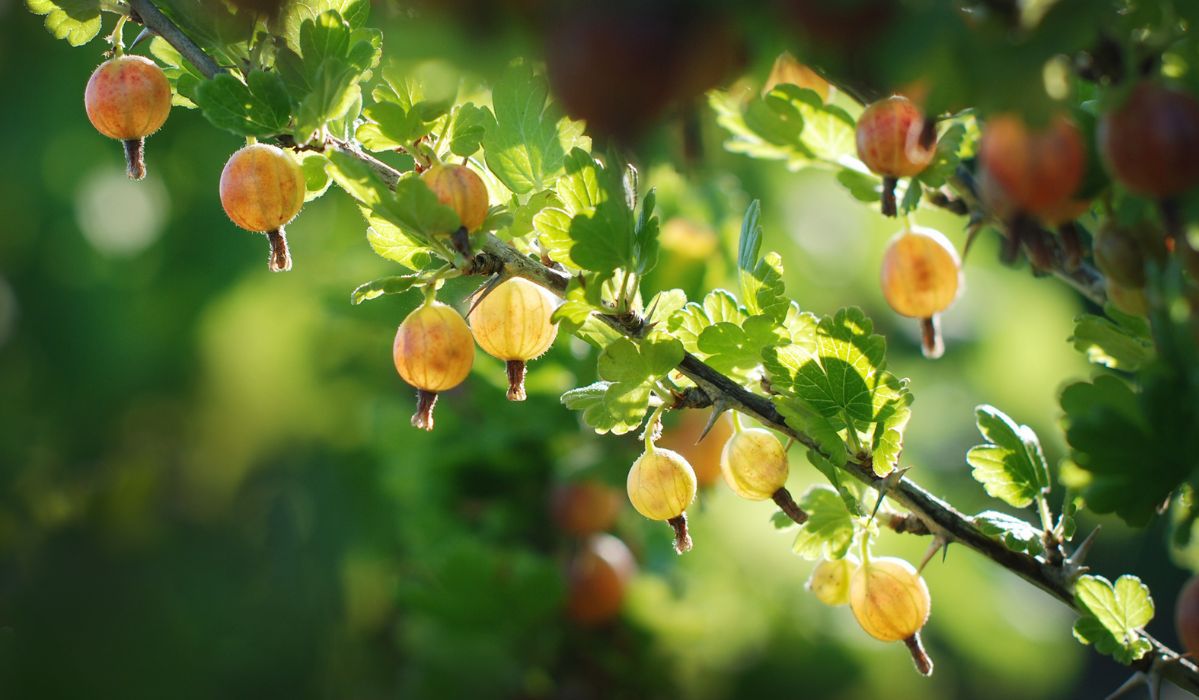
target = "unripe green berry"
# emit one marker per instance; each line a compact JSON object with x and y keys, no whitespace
{"x":661,"y":485}
{"x":829,"y":581}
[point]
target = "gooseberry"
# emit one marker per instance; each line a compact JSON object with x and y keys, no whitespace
{"x":513,"y":323}
{"x":1034,"y":172}
{"x":262,"y":190}
{"x":1186,"y":616}
{"x":461,"y":189}
{"x":1150,"y":143}
{"x":1130,"y":300}
{"x":895,"y":141}
{"x":596,"y":580}
{"x":584,"y":508}
{"x":661,"y":485}
{"x":433,"y":352}
{"x":128,"y":98}
{"x":890,"y":601}
{"x":754,"y":465}
{"x":921,"y":275}
{"x":829,"y":581}
{"x":1118,"y":256}
{"x":703,"y":455}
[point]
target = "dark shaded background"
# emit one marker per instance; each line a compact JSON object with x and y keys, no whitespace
{"x":209,"y":488}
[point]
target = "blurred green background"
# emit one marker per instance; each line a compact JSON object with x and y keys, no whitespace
{"x":209,"y":487}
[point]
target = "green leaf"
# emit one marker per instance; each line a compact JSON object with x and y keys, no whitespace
{"x":749,"y":245}
{"x":527,"y":138}
{"x":806,"y":420}
{"x":838,"y":371}
{"x":663,"y":306}
{"x":334,"y":89}
{"x":420,"y":212}
{"x":316,"y":175}
{"x":1113,"y":616}
{"x":911,"y":197}
{"x":467,"y":129}
{"x":862,"y":185}
{"x":590,"y":400}
{"x":1122,"y":343}
{"x":737,"y":350}
{"x":828,"y":532}
{"x":632,"y":367}
{"x":1136,"y":447}
{"x":219,"y":28}
{"x":946,"y":159}
{"x":386,"y":285}
{"x":76,"y":21}
{"x":594,"y":228}
{"x":296,"y":13}
{"x":1010,"y":466}
{"x":645,"y":237}
{"x":409,"y":104}
{"x":260,"y":107}
{"x":761,"y":278}
{"x":389,"y":241}
{"x":790,"y":123}
{"x":1015,"y":534}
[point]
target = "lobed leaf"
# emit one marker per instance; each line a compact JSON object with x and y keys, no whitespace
{"x":829,"y":530}
{"x":1114,"y":615}
{"x":1011,"y":465}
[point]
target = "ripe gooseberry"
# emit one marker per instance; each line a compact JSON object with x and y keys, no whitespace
{"x":787,"y":70}
{"x":921,"y":275}
{"x":1186,"y":615}
{"x":1150,"y":143}
{"x":596,"y":580}
{"x":514,"y":323}
{"x":895,"y":141}
{"x":1030,"y":172}
{"x":262,"y":190}
{"x":461,"y":189}
{"x":890,"y":600}
{"x":584,"y":508}
{"x":433,"y":351}
{"x":754,"y":465}
{"x":128,"y":98}
{"x":661,"y":485}
{"x":829,"y":581}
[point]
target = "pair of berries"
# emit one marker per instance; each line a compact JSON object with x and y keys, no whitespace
{"x":662,"y":483}
{"x":887,"y":596}
{"x":434,"y":348}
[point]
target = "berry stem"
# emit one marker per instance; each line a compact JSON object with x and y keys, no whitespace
{"x":682,"y":538}
{"x":516,"y":380}
{"x":135,"y":158}
{"x":924,"y":664}
{"x":280,"y":260}
{"x":460,"y":239}
{"x":787,"y":504}
{"x":651,"y":426}
{"x":890,"y":206}
{"x":930,"y":337}
{"x":1071,"y":246}
{"x":1172,"y":219}
{"x":425,"y":401}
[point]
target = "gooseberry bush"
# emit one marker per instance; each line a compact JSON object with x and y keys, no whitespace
{"x":1078,"y":147}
